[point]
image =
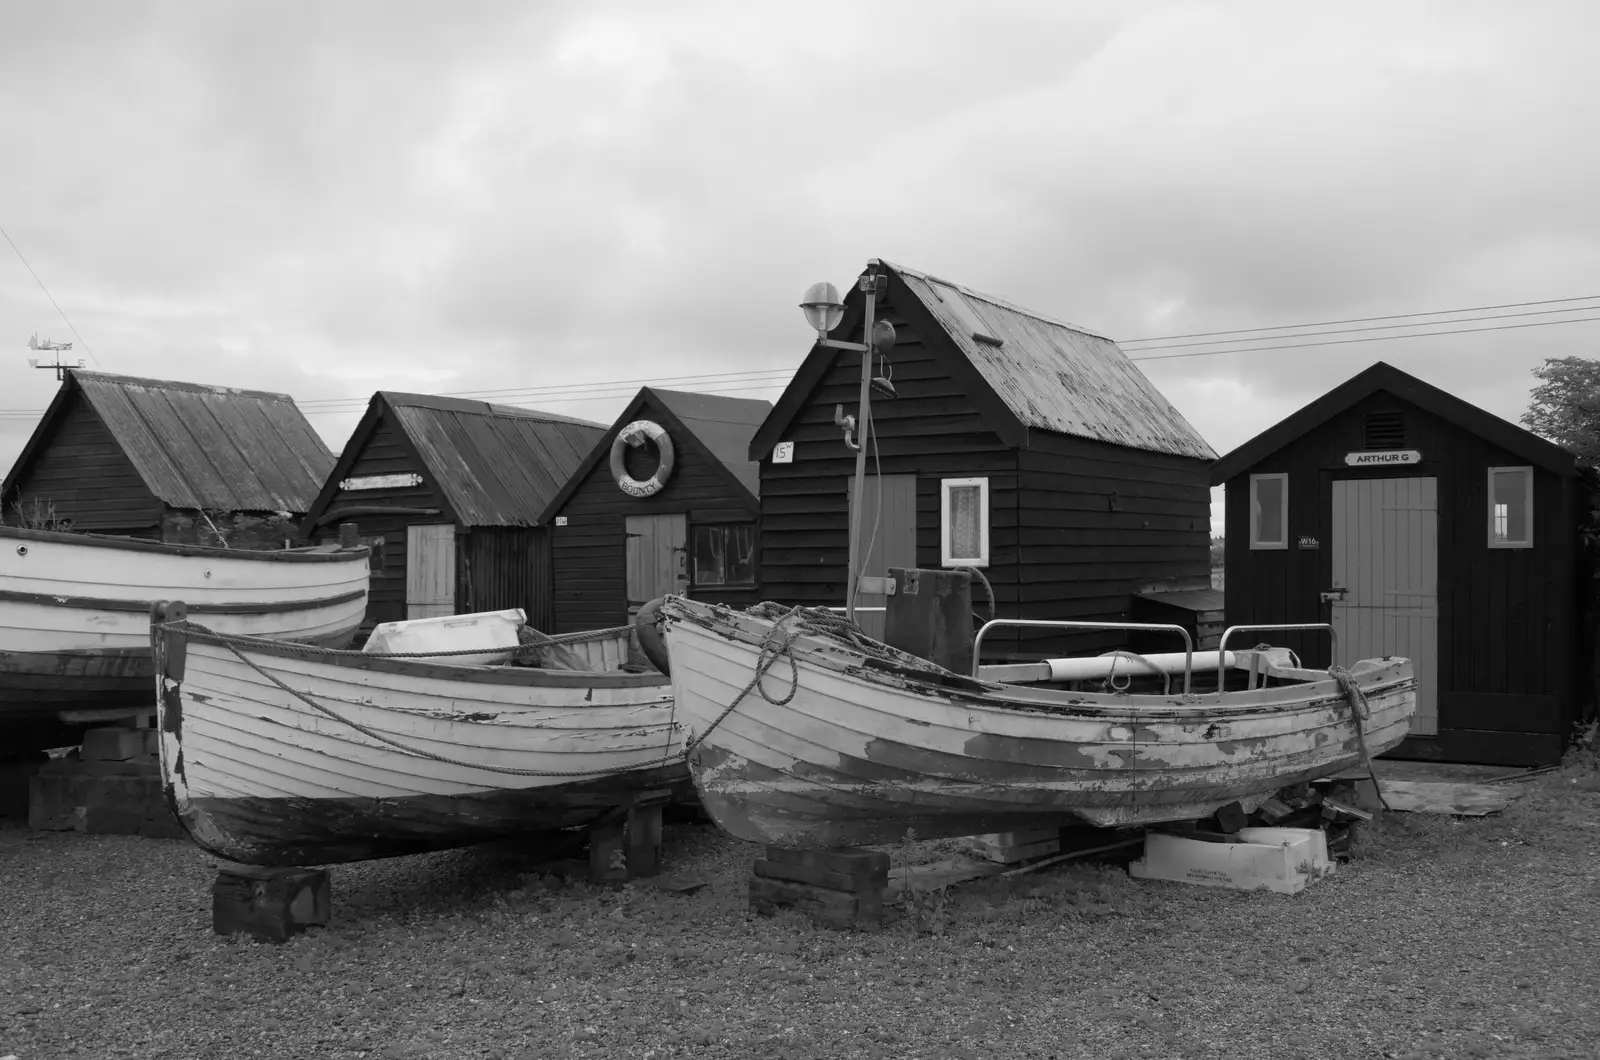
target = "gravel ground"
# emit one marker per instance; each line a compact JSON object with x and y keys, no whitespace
{"x":1442,"y":938}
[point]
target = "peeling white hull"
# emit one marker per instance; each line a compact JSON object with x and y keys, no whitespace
{"x":861,"y":754}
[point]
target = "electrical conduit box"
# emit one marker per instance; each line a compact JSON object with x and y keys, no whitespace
{"x":929,"y":614}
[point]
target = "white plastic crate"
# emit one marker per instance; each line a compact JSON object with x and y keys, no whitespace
{"x":1279,"y":859}
{"x":485,"y":629}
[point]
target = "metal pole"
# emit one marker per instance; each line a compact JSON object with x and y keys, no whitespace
{"x":863,"y":412}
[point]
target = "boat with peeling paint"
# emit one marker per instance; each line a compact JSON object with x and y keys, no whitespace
{"x":75,"y":609}
{"x":836,"y":745}
{"x":280,"y":754}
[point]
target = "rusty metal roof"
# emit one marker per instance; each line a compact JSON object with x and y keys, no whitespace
{"x":496,"y":464}
{"x":1055,"y":376}
{"x":198,"y":446}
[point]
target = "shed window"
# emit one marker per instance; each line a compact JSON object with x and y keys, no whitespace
{"x":1269,"y":511}
{"x":1511,"y":507}
{"x":725,"y":554}
{"x":964,"y":522}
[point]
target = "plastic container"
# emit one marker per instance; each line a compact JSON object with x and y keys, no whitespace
{"x":485,"y":629}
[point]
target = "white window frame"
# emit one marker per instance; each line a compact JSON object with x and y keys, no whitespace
{"x":1527,"y":473}
{"x":945,"y":558}
{"x":1256,"y":543}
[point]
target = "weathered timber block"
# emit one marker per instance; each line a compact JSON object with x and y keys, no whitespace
{"x":113,"y":745}
{"x":16,"y":775}
{"x":644,"y":840}
{"x":78,"y":767}
{"x":270,"y":905}
{"x":1230,"y":818}
{"x":830,"y":908}
{"x":852,"y":861}
{"x":100,"y":805}
{"x":1273,"y":810}
{"x":1015,"y":852}
{"x":54,"y":803}
{"x":628,"y":847}
{"x":835,"y":881}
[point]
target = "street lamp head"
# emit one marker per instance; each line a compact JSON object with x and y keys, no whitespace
{"x":822,"y":307}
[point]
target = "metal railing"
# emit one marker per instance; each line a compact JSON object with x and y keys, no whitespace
{"x":1041,"y":623}
{"x":1222,"y":645}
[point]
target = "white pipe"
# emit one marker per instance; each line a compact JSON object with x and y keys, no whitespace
{"x":1104,"y":666}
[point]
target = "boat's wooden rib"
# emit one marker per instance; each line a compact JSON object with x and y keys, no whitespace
{"x":261,"y":776}
{"x":862,"y":753}
{"x":75,"y":609}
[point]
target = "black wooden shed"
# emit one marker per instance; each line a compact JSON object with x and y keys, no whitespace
{"x":629,"y":527}
{"x":1420,"y":525}
{"x":448,"y":492}
{"x":183,"y":463}
{"x":1028,"y":448}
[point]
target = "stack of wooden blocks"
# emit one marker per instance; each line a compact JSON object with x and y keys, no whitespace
{"x":1011,"y":848}
{"x":840,"y":888}
{"x":110,"y":786}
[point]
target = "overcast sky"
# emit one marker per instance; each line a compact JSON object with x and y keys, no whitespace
{"x":330,"y":198}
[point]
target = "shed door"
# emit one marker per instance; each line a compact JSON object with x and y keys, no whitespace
{"x":430,"y":571}
{"x":1386,"y":557}
{"x":658,"y":557}
{"x":894,"y":544}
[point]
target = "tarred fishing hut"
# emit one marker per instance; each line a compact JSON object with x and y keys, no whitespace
{"x":182,"y":463}
{"x":1000,"y":439}
{"x":666,"y":502}
{"x":448,"y":493}
{"x":1420,"y":525}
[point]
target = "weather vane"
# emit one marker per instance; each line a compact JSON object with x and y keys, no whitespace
{"x":58,"y":366}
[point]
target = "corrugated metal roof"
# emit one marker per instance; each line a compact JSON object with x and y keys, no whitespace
{"x":199,"y":446}
{"x":497,"y":465}
{"x":1055,"y":376}
{"x":724,"y":425}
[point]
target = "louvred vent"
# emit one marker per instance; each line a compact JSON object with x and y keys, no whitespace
{"x":1385,"y":430}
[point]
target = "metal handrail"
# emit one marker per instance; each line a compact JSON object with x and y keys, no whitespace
{"x":1222,"y":645}
{"x":1042,"y":623}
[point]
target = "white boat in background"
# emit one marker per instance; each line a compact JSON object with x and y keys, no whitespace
{"x":279,"y":754}
{"x":839,"y":744}
{"x":75,"y":609}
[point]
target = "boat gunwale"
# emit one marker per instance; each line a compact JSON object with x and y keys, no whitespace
{"x":312,"y":554}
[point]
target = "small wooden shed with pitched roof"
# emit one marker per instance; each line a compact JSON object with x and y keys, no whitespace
{"x":183,"y":463}
{"x":1028,"y":448}
{"x":448,"y":493}
{"x":625,"y":531}
{"x":1418,"y":524}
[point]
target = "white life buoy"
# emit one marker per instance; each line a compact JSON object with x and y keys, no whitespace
{"x":636,"y":434}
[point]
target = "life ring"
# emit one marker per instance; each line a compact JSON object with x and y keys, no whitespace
{"x":636,"y":434}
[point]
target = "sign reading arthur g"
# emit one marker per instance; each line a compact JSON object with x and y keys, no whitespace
{"x":1383,"y":458}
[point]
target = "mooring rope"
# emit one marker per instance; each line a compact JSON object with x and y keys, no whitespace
{"x":1360,"y":710}
{"x":201,"y":633}
{"x":770,"y":653}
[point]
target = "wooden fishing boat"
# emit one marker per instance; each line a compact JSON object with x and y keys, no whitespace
{"x":282,"y":754}
{"x":842,"y":743}
{"x":75,"y":609}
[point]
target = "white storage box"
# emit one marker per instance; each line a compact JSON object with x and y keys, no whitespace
{"x":1279,"y":859}
{"x":486,"y":629}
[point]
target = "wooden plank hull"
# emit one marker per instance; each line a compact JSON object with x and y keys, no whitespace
{"x":861,"y":754}
{"x":398,"y":756}
{"x":75,"y":610}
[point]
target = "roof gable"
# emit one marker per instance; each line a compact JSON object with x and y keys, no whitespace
{"x":196,"y":446}
{"x":719,"y":427}
{"x":1387,"y":378}
{"x":1023,"y":370}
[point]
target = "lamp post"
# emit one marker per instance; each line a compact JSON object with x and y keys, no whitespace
{"x":824,"y":311}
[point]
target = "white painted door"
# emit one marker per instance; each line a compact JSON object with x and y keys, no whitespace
{"x":658,"y":557}
{"x":889,"y":534}
{"x":1386,"y":557}
{"x":430,"y":571}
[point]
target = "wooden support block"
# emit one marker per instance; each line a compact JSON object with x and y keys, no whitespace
{"x":1273,"y":810}
{"x":270,"y":905}
{"x":851,"y":861}
{"x":113,"y":745}
{"x":835,"y":909}
{"x":93,"y":767}
{"x":1015,"y":852}
{"x":626,"y":844}
{"x":815,"y":877}
{"x":1230,"y":818}
{"x":608,"y":852}
{"x":644,"y":840}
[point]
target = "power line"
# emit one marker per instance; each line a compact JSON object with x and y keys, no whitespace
{"x":1367,"y":320}
{"x":621,"y":392}
{"x":48,"y":295}
{"x":561,"y":388}
{"x":1369,"y":338}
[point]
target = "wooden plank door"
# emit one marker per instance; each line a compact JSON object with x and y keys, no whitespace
{"x":430,"y":571}
{"x":658,"y":557}
{"x":891,"y":500}
{"x":1385,"y":546}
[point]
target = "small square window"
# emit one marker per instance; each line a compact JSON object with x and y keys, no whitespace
{"x":1269,"y":511}
{"x":724,"y":554}
{"x":1511,"y":507}
{"x":964,"y":522}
